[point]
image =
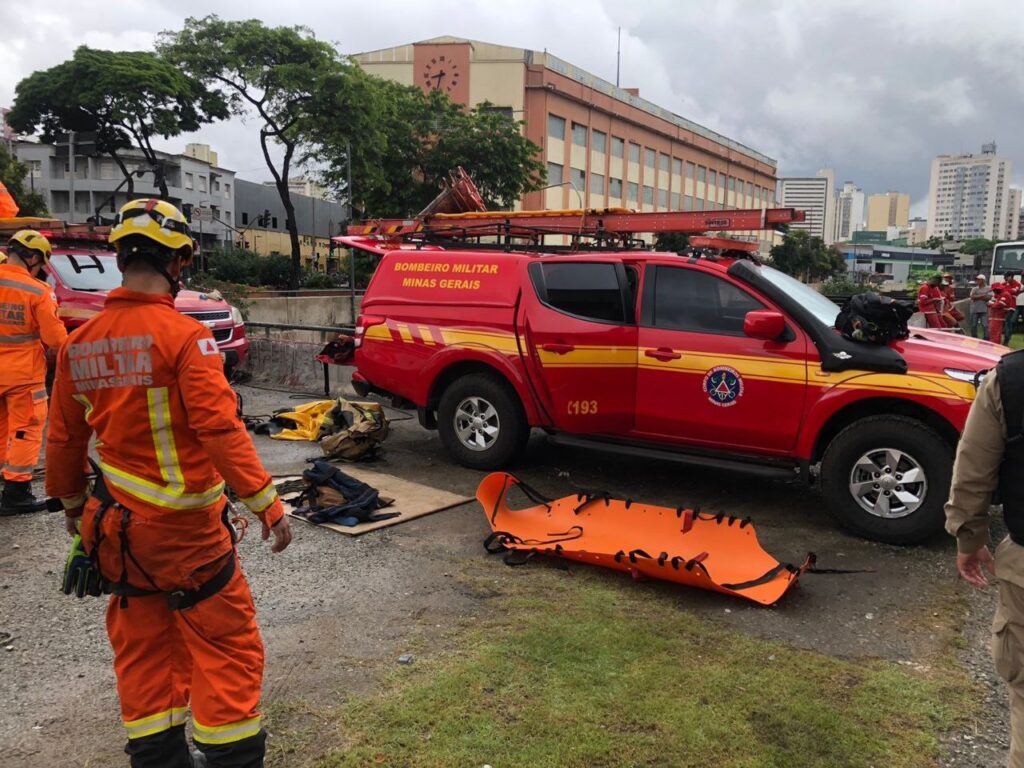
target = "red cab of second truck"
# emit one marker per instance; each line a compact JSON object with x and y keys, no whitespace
{"x":653,"y":351}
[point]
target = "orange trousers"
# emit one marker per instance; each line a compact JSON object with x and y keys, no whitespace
{"x":22,"y":418}
{"x":207,"y":658}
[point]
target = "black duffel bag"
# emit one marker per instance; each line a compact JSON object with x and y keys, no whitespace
{"x":874,"y":319}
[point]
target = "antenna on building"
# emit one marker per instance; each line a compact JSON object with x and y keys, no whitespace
{"x":618,"y":58}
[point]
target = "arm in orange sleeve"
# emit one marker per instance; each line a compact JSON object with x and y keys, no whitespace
{"x":67,"y":442}
{"x":51,"y":329}
{"x":211,"y":405}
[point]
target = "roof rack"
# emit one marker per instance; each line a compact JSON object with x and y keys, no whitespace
{"x":456,"y":217}
{"x":55,"y":229}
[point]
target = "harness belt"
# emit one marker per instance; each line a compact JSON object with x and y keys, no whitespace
{"x":178,"y":599}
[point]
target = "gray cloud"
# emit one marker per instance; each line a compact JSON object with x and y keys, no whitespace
{"x":874,"y":89}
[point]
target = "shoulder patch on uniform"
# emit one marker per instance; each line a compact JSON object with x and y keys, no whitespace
{"x":208,"y":347}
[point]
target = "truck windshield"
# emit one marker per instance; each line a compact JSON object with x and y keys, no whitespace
{"x":825,"y":310}
{"x":87,"y":271}
{"x":1007,"y":257}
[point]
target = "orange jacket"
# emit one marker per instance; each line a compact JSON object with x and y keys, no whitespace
{"x":929,"y":298}
{"x":149,"y":382}
{"x":28,"y":315}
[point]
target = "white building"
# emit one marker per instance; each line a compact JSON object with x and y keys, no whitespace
{"x":849,"y":211}
{"x":97,"y":186}
{"x":917,"y":231}
{"x":816,"y":196}
{"x":969,"y":196}
{"x":1013,"y":226}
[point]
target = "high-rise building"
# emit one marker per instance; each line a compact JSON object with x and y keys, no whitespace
{"x":917,"y":231}
{"x":969,"y":196}
{"x":816,"y":196}
{"x":1013,"y":228}
{"x":849,"y":211}
{"x":891,"y":209}
{"x":603,"y":146}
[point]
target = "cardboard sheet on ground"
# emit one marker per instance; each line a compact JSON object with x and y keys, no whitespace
{"x":412,"y":500}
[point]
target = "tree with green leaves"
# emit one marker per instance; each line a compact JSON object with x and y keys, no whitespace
{"x":12,"y":174}
{"x":421,"y":137}
{"x":284,"y":76}
{"x":806,"y":257}
{"x":126,"y":98}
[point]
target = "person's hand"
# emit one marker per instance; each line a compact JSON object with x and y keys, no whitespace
{"x":282,"y":534}
{"x":72,"y":524}
{"x":970,"y":566}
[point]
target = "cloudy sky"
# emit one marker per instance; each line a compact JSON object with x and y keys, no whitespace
{"x":872,"y":88}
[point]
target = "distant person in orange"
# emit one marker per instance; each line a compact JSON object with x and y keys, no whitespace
{"x":999,"y":308}
{"x":149,"y":382}
{"x":929,"y":301}
{"x":1014,"y":287}
{"x":952,"y":316}
{"x":28,"y":319}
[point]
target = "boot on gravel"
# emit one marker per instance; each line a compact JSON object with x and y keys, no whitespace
{"x":17,"y":499}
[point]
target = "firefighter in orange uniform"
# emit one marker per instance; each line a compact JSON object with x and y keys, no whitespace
{"x":149,"y":382}
{"x":952,"y":316}
{"x":1001,"y":305}
{"x":28,"y":316}
{"x":929,"y":301}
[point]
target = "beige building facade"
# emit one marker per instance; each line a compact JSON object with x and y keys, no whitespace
{"x":969,"y":196}
{"x":603,"y":146}
{"x":891,"y":209}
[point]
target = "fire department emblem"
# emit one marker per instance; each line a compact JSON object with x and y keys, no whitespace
{"x":723,"y":386}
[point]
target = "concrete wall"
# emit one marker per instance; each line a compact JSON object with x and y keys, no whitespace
{"x":333,"y":310}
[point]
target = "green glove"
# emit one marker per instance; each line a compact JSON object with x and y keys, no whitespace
{"x":80,"y":576}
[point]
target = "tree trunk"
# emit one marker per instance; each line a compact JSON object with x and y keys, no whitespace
{"x":293,"y":233}
{"x":124,"y":170}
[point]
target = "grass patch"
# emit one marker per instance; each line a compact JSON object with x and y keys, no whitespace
{"x":595,"y":671}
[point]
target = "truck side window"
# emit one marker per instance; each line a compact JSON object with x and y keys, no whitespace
{"x":590,"y":291}
{"x":691,"y":300}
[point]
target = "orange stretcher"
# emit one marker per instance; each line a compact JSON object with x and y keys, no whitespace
{"x":715,"y":552}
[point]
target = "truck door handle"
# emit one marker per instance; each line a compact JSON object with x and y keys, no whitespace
{"x":663,"y":354}
{"x":558,"y":349}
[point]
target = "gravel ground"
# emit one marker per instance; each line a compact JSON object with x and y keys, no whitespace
{"x":334,"y":608}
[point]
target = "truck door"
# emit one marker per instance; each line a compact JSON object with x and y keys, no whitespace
{"x":700,"y":380}
{"x":580,"y":334}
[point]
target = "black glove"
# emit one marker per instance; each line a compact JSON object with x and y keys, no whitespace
{"x":80,"y":576}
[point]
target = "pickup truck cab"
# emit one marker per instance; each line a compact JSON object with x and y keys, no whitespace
{"x":723,"y":362}
{"x":82,"y":277}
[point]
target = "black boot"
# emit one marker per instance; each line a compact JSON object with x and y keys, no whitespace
{"x":17,"y":499}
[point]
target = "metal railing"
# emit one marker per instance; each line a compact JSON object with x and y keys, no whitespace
{"x":294,"y":327}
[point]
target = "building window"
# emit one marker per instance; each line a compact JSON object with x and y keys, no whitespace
{"x":190,"y":181}
{"x":648,"y":195}
{"x":674,"y":204}
{"x":273,"y":222}
{"x":618,"y":146}
{"x":615,"y":188}
{"x":596,"y":184}
{"x":598,"y":140}
{"x":579,"y":135}
{"x":226,"y":218}
{"x":731,"y":185}
{"x":631,"y":191}
{"x":699,"y":204}
{"x":663,"y":198}
{"x":556,"y":127}
{"x":578,"y":179}
{"x":700,"y":174}
{"x":202,"y":183}
{"x":649,"y":157}
{"x":712,"y":178}
{"x":245,"y":218}
{"x":216,"y":185}
{"x":689,"y":171}
{"x":750,"y":189}
{"x":663,"y":163}
{"x":677,"y":166}
{"x":227,"y":190}
{"x":687,"y":203}
{"x":554,"y":173}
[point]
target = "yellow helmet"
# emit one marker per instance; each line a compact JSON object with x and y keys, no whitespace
{"x":32,"y":241}
{"x":157,"y":220}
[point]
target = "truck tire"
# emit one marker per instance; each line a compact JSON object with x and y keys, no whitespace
{"x":886,"y":478}
{"x":481,"y":422}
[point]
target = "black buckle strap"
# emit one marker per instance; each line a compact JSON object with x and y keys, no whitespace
{"x":183,"y":599}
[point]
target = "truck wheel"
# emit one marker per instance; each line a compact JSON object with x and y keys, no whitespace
{"x":481,"y":422}
{"x":887,"y":478}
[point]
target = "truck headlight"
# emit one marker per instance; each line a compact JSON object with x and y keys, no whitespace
{"x":236,"y":316}
{"x":971,"y":377}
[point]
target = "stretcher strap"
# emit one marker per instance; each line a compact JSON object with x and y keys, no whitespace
{"x":529,"y":491}
{"x":764,"y":578}
{"x":586,"y":499}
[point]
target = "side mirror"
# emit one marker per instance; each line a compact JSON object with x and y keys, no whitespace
{"x":764,"y":324}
